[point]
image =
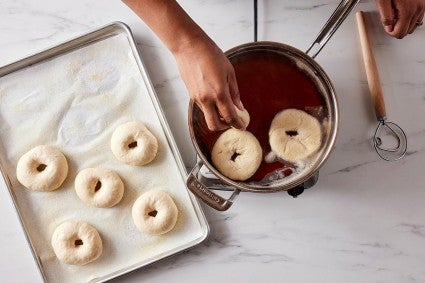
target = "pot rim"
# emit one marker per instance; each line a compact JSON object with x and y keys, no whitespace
{"x":334,"y":117}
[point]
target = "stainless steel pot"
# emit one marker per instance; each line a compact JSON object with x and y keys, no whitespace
{"x":304,"y":61}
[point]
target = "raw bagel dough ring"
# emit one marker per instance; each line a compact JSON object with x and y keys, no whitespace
{"x":99,"y":187}
{"x":237,"y":154}
{"x":155,"y":212}
{"x":294,"y":134}
{"x":132,"y":143}
{"x":43,"y":168}
{"x":244,"y":115}
{"x":76,"y":243}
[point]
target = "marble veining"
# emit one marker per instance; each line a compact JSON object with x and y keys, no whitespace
{"x":364,"y":221}
{"x":302,"y":8}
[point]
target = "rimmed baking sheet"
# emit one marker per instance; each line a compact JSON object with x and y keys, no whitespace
{"x":73,"y":96}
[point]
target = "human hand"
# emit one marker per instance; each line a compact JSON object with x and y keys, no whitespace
{"x":207,"y":73}
{"x":211,"y":82}
{"x":401,"y":17}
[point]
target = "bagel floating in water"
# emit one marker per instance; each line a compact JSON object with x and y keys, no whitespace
{"x":294,"y":135}
{"x":237,"y":154}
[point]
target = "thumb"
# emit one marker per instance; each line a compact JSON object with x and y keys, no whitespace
{"x":387,"y":14}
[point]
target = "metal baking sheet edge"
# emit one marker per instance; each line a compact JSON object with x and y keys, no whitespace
{"x":96,"y":35}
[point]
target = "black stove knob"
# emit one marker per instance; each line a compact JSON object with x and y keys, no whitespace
{"x":294,"y":192}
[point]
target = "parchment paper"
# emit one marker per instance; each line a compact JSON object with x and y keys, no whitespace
{"x":75,"y":102}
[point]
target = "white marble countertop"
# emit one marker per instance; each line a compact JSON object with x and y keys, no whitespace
{"x":364,"y":221}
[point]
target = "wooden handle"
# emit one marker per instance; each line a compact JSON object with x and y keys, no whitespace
{"x":371,"y":69}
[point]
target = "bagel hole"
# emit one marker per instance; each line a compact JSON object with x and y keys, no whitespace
{"x":132,"y":145}
{"x":78,"y":242}
{"x":41,"y":167}
{"x":153,"y":213}
{"x":98,"y":185}
{"x":234,"y":156}
{"x":292,"y":133}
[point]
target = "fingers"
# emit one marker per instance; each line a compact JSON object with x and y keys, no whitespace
{"x":409,"y":14}
{"x":413,"y":23}
{"x":227,"y":110}
{"x":418,"y":18}
{"x":401,"y":27}
{"x":421,"y":18}
{"x":219,"y":110}
{"x":219,"y":104}
{"x":387,"y":14}
{"x":212,"y":117}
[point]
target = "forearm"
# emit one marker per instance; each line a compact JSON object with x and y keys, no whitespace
{"x":206,"y":71}
{"x":169,"y":22}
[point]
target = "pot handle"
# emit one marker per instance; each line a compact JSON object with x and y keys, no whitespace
{"x":200,"y":190}
{"x":337,"y":18}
